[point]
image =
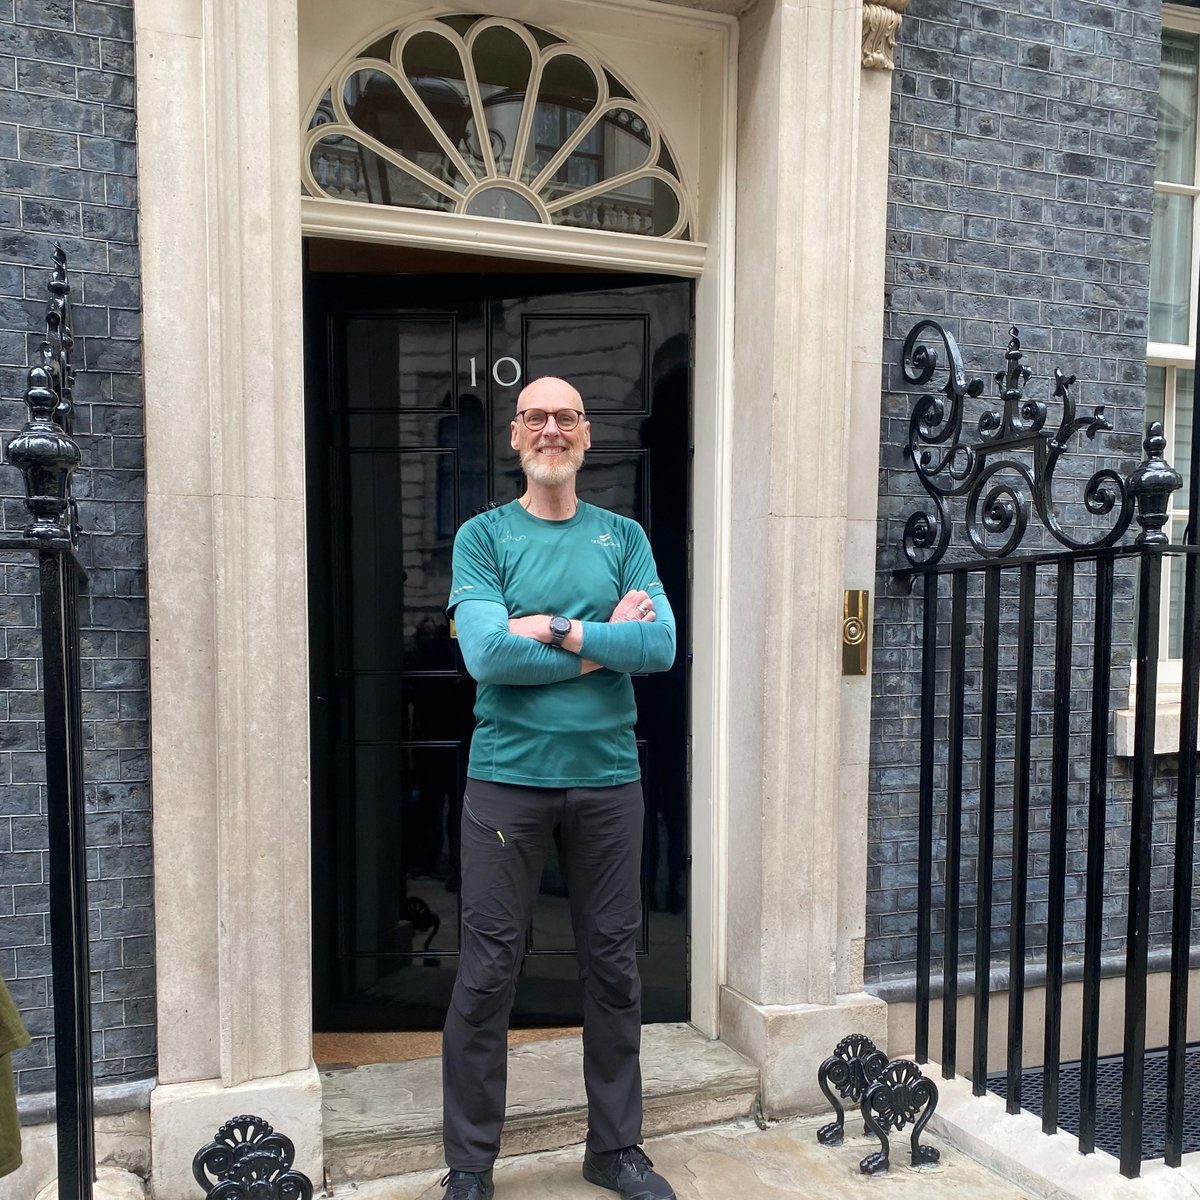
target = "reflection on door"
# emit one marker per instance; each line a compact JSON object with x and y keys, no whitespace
{"x":412,"y":383}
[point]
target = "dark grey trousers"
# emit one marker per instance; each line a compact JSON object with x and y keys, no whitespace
{"x":506,"y":832}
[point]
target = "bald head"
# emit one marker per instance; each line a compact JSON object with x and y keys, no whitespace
{"x":549,"y":392}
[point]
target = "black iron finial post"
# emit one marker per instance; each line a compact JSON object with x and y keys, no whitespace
{"x":44,"y":450}
{"x":1151,"y":486}
{"x":47,"y":456}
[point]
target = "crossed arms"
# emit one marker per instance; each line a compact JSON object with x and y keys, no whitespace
{"x":516,"y":650}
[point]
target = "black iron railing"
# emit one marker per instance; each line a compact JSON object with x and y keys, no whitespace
{"x":247,"y":1156}
{"x":999,"y":723}
{"x":47,"y":456}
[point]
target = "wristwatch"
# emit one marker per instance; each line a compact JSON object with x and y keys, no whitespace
{"x":559,"y":628}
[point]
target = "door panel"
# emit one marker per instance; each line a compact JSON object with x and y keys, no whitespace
{"x":401,"y":363}
{"x":412,"y":383}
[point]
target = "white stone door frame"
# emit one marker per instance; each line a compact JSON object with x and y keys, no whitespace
{"x":704,"y":136}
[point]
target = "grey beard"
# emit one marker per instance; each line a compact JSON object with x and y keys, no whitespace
{"x":548,"y":473}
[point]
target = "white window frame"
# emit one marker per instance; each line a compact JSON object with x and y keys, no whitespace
{"x":486,"y":173}
{"x":1173,"y":357}
{"x":1185,"y":20}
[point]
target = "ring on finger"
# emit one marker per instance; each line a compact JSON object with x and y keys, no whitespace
{"x":643,"y":608}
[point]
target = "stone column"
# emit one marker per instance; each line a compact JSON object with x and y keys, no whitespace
{"x":812,"y":173}
{"x":881,"y":23}
{"x":220,"y":236}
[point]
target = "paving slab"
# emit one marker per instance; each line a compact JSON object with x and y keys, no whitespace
{"x":385,"y":1119}
{"x":1050,"y":1166}
{"x":737,"y":1161}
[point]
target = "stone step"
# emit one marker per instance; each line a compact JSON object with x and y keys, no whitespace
{"x":740,"y":1161}
{"x":386,"y":1119}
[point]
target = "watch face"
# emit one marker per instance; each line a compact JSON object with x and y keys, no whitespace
{"x":560,"y":625}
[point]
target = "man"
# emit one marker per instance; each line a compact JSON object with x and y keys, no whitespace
{"x":556,"y":603}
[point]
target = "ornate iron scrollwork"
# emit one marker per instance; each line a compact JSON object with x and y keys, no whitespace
{"x":44,"y":449}
{"x":853,"y":1066}
{"x":1000,"y":489}
{"x":891,"y":1103}
{"x":248,"y":1160}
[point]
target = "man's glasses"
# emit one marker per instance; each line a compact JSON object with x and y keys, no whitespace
{"x":566,"y":418}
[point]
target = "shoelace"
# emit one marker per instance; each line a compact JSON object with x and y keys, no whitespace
{"x":635,"y":1158}
{"x":461,"y":1183}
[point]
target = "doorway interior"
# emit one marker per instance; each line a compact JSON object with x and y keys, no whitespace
{"x":413,"y":363}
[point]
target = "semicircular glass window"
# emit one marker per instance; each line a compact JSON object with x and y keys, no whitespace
{"x":493,"y":118}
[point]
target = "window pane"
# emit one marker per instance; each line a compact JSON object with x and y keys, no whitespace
{"x":1177,"y":108}
{"x":1171,"y":269}
{"x":436,"y":71}
{"x":1179,"y":448}
{"x":504,"y":203}
{"x":1175,"y":568}
{"x":617,"y":144}
{"x":566,"y":94}
{"x":645,"y":205}
{"x":347,"y":170}
{"x":502,"y":66}
{"x":377,"y":106}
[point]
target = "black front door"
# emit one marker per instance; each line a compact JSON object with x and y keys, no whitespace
{"x":412,"y":383}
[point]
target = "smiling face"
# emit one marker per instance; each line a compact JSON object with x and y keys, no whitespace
{"x":550,"y":456}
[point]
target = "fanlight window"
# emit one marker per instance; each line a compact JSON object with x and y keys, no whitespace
{"x":492,"y":118}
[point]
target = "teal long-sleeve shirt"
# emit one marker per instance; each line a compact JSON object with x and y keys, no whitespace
{"x":539,"y":722}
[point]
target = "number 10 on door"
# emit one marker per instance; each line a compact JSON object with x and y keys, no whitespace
{"x":502,"y":368}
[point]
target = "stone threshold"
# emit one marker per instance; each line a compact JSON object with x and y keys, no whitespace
{"x":385,"y":1119}
{"x":1046,"y":1165}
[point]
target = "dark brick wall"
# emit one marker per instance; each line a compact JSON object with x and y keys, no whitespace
{"x":68,"y":172}
{"x":1022,"y":164}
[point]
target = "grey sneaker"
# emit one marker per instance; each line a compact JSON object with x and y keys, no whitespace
{"x":628,"y":1172}
{"x":469,"y":1185}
